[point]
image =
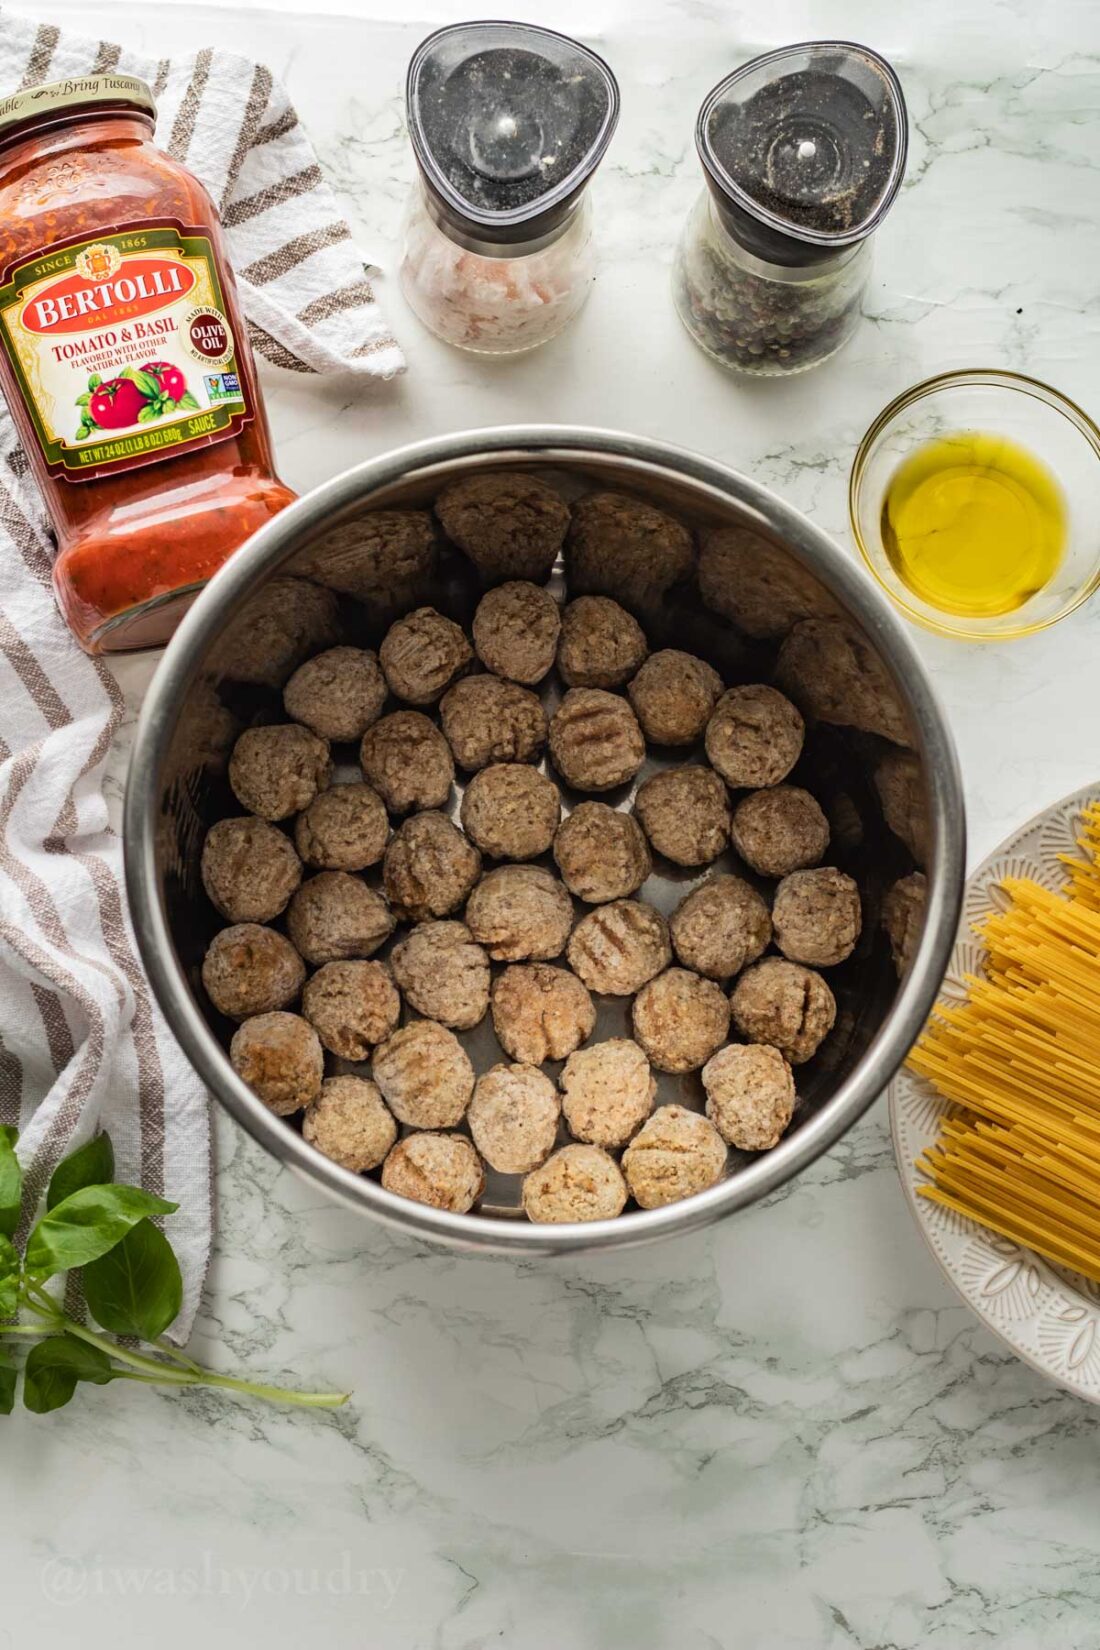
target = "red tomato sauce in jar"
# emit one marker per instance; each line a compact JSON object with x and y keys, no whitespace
{"x":124,"y":360}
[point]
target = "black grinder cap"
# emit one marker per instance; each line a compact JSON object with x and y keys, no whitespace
{"x":508,"y":122}
{"x":804,"y":149}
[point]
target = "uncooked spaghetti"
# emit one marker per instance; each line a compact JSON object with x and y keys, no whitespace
{"x":1020,"y":1061}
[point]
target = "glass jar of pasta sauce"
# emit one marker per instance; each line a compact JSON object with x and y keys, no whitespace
{"x":124,"y":360}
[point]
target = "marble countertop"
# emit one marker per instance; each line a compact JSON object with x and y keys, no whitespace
{"x":785,"y":1434}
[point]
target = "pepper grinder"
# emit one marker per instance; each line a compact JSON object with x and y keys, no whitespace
{"x":508,"y":122}
{"x":803,"y":152}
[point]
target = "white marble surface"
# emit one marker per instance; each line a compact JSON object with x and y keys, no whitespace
{"x":786,"y":1434}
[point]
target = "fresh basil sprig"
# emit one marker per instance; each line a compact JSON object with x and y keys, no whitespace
{"x":132,"y":1286}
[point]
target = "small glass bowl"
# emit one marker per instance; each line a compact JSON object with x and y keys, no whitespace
{"x":1047,"y":425}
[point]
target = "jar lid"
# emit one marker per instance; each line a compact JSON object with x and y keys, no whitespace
{"x":804,"y":148}
{"x":64,"y":96}
{"x":508,"y":122}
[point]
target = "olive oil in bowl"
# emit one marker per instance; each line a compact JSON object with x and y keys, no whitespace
{"x":973,"y":524}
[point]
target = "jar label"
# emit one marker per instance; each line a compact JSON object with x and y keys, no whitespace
{"x":122,"y":349}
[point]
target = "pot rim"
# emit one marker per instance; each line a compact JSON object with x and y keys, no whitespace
{"x":343,"y":496}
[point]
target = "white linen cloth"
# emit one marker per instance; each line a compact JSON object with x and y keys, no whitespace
{"x":82,"y":1044}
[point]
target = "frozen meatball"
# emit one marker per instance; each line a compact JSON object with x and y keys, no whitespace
{"x":352,"y":1006}
{"x":786,"y":1005}
{"x":903,"y":918}
{"x":280,"y":1058}
{"x":277,"y":627}
{"x":249,"y":869}
{"x":720,"y":927}
{"x":759,"y":586}
{"x":900,"y":786}
{"x":335,"y":915}
{"x":673,"y":696}
{"x":516,"y":630}
{"x":277,"y":771}
{"x":274,"y":630}
{"x":249,"y":969}
{"x":408,"y":761}
{"x":621,"y":546}
{"x":422,"y":654}
{"x":680,"y":1019}
{"x":520,"y":911}
{"x":816,"y":917}
{"x":511,"y":810}
{"x":595,"y":740}
{"x":754,"y":737}
{"x":513,"y":1118}
{"x":425,"y":1076}
{"x":835,"y":675}
{"x":577,"y":1183}
{"x":618,"y":947}
{"x":676,"y":1154}
{"x":444,"y":974}
{"x":442,"y":1170}
{"x":601,"y":646}
{"x":541,"y":1013}
{"x":685,"y":813}
{"x":337,"y":694}
{"x":343,"y":829}
{"x":350,"y":1123}
{"x":779,"y":831}
{"x":489,"y":720}
{"x":750,"y":1095}
{"x":509,"y":523}
{"x":607,"y":1092}
{"x":430,"y":868}
{"x":602,"y":854}
{"x":386,"y":558}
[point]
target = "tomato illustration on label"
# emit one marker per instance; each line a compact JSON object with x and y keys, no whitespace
{"x":170,"y":378}
{"x":114,"y":404}
{"x":137,"y":396}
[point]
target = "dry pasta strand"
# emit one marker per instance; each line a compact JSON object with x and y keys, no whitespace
{"x":1019,"y":1060}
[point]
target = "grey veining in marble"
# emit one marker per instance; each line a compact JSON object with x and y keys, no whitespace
{"x":786,"y":1434}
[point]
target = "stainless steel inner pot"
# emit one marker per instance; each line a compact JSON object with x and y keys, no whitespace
{"x":251,"y":627}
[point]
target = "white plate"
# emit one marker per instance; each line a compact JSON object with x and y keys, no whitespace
{"x":1049,"y":1317}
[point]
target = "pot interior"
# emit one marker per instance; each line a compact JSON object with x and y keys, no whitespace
{"x":340,"y":583}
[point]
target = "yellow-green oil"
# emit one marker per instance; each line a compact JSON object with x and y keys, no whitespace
{"x":974,"y":524}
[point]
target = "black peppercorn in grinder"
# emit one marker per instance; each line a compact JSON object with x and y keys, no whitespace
{"x":803,"y":151}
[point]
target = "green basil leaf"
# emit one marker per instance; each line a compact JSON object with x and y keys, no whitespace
{"x":86,"y":1225}
{"x":9,"y":1278}
{"x":54,"y":1367}
{"x":82,"y":400}
{"x":146,"y":383}
{"x":94,"y":381}
{"x":136,"y":1288}
{"x":11,"y":1183}
{"x":188,"y":400}
{"x":168,"y":405}
{"x":146,"y":414}
{"x":9,"y":1374}
{"x":92,"y":1164}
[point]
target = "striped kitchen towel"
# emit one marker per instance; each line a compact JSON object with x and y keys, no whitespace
{"x":82,"y":1044}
